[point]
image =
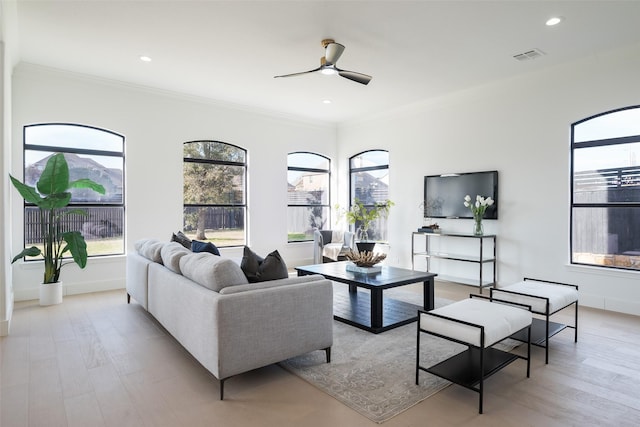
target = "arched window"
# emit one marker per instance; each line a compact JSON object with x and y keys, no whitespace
{"x":369,"y":184}
{"x":90,"y":152}
{"x":605,"y":190}
{"x":308,"y":178}
{"x":215,"y":207}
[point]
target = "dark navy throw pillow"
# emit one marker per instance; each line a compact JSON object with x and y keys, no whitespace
{"x":197,"y":246}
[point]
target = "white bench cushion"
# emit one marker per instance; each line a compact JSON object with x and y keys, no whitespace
{"x":499,"y":321}
{"x":559,"y":296}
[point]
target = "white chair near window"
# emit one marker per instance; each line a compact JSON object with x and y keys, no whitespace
{"x":332,"y":245}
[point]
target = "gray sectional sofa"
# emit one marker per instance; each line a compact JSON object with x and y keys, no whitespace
{"x":229,"y":325}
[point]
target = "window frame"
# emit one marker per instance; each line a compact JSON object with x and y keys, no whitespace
{"x":244,"y":165}
{"x":315,"y":170}
{"x":573,"y":205}
{"x":81,"y":151}
{"x":353,"y":170}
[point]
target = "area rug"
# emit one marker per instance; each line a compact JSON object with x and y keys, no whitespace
{"x":375,"y":374}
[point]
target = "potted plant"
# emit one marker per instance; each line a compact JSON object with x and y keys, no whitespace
{"x":51,"y":195}
{"x":360,"y":214}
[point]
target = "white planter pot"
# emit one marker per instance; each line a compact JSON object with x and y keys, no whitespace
{"x":50,"y":293}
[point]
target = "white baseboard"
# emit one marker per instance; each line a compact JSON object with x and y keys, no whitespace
{"x":73,"y":289}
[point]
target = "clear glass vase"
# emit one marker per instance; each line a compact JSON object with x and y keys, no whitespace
{"x":362,"y":234}
{"x":478,"y":229}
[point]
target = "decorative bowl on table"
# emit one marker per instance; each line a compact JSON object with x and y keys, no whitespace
{"x":364,"y":262}
{"x":365,"y":259}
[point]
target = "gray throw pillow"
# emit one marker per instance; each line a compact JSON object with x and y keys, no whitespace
{"x":258,"y":269}
{"x":182,"y":239}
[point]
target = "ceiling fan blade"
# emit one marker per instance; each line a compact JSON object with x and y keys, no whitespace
{"x":299,"y":74}
{"x":356,"y":77}
{"x":333,"y":52}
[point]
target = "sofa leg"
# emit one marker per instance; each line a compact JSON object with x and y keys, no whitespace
{"x":328,"y":353}
{"x":128,"y":298}
{"x":222,"y":389}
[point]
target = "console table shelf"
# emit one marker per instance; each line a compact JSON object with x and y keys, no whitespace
{"x":477,"y":256}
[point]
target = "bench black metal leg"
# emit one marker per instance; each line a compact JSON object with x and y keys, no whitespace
{"x":128,"y":298}
{"x":222,"y":389}
{"x":576,"y":323}
{"x":328,"y":353}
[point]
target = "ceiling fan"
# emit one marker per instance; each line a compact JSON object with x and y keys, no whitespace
{"x":332,"y":53}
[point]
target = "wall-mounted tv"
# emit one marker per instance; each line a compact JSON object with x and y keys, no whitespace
{"x":444,"y":194}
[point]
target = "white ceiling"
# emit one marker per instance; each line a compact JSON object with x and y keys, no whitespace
{"x":229,"y":51}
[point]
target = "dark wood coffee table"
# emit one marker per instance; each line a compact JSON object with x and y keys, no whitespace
{"x":373,"y":314}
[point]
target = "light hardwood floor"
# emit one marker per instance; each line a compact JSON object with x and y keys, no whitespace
{"x":96,"y":361}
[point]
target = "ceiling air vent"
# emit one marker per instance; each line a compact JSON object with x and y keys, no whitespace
{"x":528,"y":55}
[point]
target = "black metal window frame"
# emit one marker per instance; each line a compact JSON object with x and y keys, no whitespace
{"x":225,"y":163}
{"x":353,"y":170}
{"x":316,"y":170}
{"x":90,"y":152}
{"x":634,"y":139}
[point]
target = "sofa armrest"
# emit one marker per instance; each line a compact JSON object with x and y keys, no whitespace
{"x":137,"y":277}
{"x":265,"y":326}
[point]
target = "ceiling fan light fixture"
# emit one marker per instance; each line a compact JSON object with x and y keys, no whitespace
{"x":329,"y":71}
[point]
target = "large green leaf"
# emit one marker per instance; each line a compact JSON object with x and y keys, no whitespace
{"x":55,"y":201}
{"x":32,"y":251}
{"x":77,"y":246}
{"x":87,"y":183}
{"x":29,"y":194}
{"x":55,"y":177}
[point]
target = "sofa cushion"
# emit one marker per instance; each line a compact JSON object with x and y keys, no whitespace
{"x":295,"y":280}
{"x":211,"y":271}
{"x":171,"y":254}
{"x":197,"y":246}
{"x":150,"y":249}
{"x":258,"y":269}
{"x":182,"y":239}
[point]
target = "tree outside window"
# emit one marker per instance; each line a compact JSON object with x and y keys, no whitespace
{"x":214,"y":192}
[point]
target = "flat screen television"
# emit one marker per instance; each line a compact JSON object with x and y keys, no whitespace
{"x":444,"y":194}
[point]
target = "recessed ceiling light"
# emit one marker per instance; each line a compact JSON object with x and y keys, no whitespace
{"x":554,"y":21}
{"x":145,"y":58}
{"x":326,"y":101}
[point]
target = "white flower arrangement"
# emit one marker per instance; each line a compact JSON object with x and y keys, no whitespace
{"x":479,"y":207}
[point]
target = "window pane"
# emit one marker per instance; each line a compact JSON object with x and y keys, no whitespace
{"x":370,"y":158}
{"x":82,"y":166}
{"x":102,"y":229}
{"x":606,"y":237}
{"x":307,"y":160}
{"x":307,"y":188}
{"x":607,"y":186}
{"x":224,"y":226}
{"x":613,"y":125}
{"x":377,"y":229}
{"x":213,"y":184}
{"x":302,"y":220}
{"x":213,"y":150}
{"x":606,"y":157}
{"x":370,"y":187}
{"x":73,"y":136}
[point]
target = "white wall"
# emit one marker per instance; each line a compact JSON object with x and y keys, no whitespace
{"x":155,"y":125}
{"x":520,"y":127}
{"x":8,"y":58}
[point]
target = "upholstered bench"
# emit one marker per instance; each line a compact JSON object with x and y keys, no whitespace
{"x":545,"y":298}
{"x":479,"y":324}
